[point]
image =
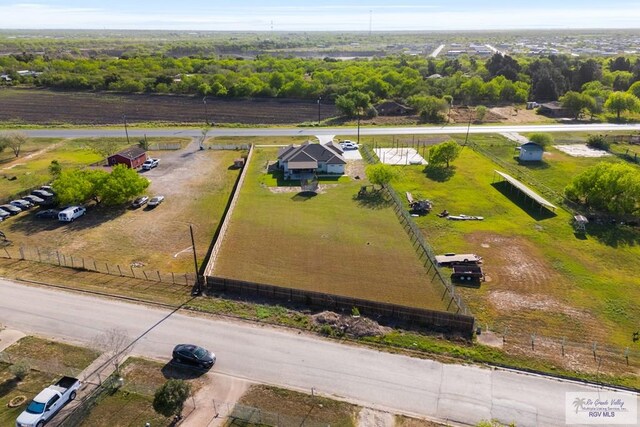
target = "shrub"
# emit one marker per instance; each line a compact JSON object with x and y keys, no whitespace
{"x":20,"y":370}
{"x":170,"y":397}
{"x":598,"y":142}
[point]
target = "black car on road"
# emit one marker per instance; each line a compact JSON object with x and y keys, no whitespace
{"x":193,"y":356}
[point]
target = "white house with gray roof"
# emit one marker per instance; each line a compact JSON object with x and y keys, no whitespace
{"x":306,"y":160}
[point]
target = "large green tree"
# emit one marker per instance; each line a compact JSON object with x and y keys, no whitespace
{"x":80,"y":185}
{"x":353,"y":104}
{"x":121,"y":185}
{"x":618,"y":102}
{"x":577,"y":102}
{"x":430,"y":108}
{"x":444,"y":153}
{"x":170,"y":397}
{"x":380,"y":174}
{"x":608,"y":187}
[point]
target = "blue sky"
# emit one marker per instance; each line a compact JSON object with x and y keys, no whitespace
{"x":326,"y":15}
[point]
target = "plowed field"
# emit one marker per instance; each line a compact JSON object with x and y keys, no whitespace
{"x":48,"y":107}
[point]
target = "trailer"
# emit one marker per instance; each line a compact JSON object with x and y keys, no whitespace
{"x":467,"y":274}
{"x":451,"y":258}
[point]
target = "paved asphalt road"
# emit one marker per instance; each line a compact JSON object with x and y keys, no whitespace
{"x":464,"y":394}
{"x":351,"y":131}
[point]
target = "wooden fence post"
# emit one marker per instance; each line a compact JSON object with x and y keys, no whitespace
{"x":21,"y":253}
{"x":159,"y":277}
{"x":119,"y":270}
{"x":132,"y":273}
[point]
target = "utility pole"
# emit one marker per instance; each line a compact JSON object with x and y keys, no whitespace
{"x":358,"y":126}
{"x":206,"y":114}
{"x":126,"y":131}
{"x":198,"y":289}
{"x":319,"y":99}
{"x":466,"y":138}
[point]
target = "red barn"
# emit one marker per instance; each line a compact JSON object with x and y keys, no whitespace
{"x":133,"y":157}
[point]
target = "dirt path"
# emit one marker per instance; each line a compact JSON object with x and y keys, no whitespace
{"x":22,"y":160}
{"x":214,"y":401}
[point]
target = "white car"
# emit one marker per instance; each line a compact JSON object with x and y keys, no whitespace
{"x":348,"y":145}
{"x":150,"y":164}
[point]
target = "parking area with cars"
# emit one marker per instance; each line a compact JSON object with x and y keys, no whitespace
{"x":187,"y":186}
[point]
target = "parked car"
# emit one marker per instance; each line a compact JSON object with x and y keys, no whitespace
{"x":22,"y":204}
{"x":71,"y":213}
{"x":348,"y":145}
{"x":193,"y":356}
{"x":42,"y":193}
{"x":150,"y":163}
{"x":4,"y":214}
{"x":140,"y":201}
{"x":48,"y":188}
{"x":13,"y":210}
{"x":155,"y":201}
{"x":34,"y":199}
{"x":48,"y":214}
{"x":48,"y":402}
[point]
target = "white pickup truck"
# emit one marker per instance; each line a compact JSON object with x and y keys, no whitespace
{"x":150,"y":163}
{"x":49,"y":401}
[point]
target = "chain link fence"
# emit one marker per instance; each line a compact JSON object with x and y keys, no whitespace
{"x":451,"y":298}
{"x":56,"y":257}
{"x":242,"y":415}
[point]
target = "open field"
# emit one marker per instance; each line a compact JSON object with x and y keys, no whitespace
{"x":48,"y":361}
{"x":42,"y":107}
{"x":542,"y":279}
{"x":196,"y":185}
{"x":331,"y":242}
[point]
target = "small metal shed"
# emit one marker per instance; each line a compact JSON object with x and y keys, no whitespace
{"x":531,"y":152}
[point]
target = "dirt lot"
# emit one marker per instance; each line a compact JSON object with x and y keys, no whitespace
{"x":196,"y":185}
{"x":43,"y":107}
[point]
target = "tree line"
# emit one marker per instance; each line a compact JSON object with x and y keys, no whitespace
{"x":583,"y":84}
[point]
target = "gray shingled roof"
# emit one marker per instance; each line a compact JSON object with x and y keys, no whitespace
{"x":328,"y":153}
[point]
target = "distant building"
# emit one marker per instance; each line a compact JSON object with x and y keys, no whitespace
{"x":554,"y":109}
{"x":393,"y":108}
{"x":531,"y":152}
{"x":132,"y":157}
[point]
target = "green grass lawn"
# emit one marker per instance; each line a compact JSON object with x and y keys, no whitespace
{"x":41,"y":354}
{"x":543,"y":278}
{"x":132,"y":404}
{"x":123,"y":408}
{"x":331,"y":242}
